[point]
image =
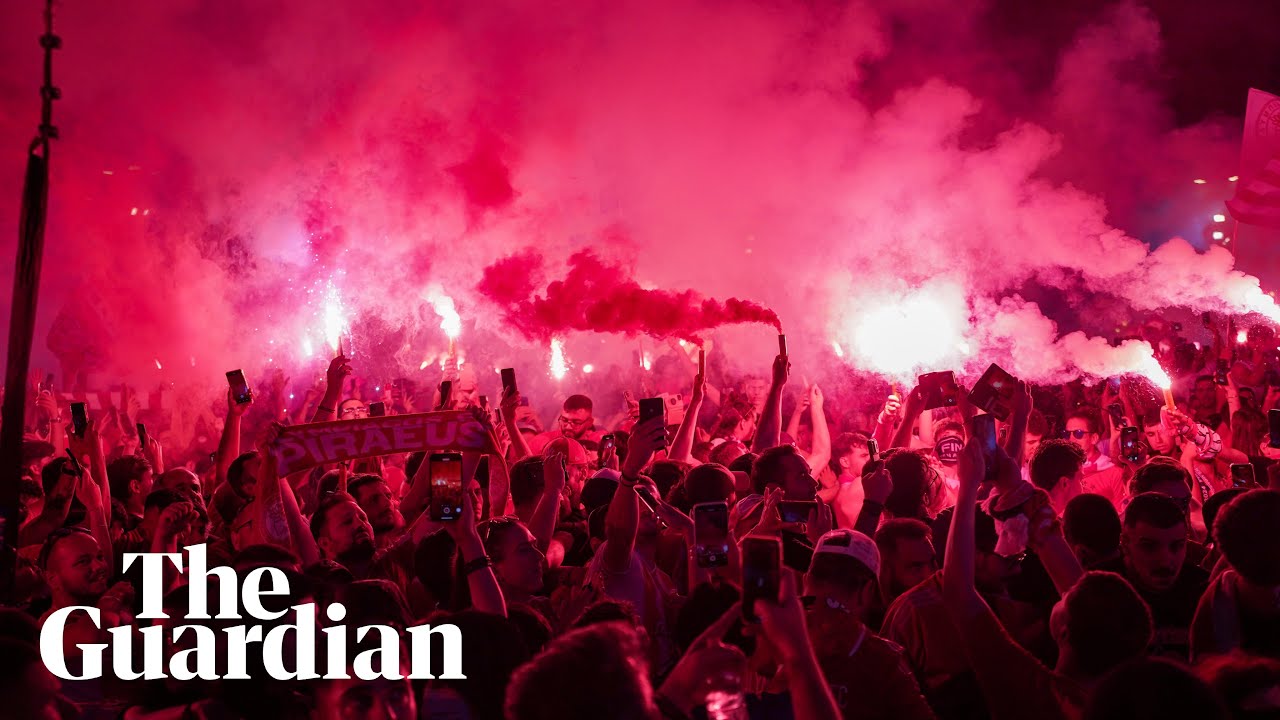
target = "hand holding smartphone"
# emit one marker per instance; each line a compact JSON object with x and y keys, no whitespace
{"x":939,"y":389}
{"x":446,"y":486}
{"x":711,"y":534}
{"x":240,"y":391}
{"x":79,"y":419}
{"x":761,"y":573}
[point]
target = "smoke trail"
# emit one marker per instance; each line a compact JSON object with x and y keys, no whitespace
{"x":598,"y":297}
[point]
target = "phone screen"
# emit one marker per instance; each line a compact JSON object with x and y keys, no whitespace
{"x":711,"y":534}
{"x":939,"y":389}
{"x":983,"y":430}
{"x":795,"y":511}
{"x":652,"y":408}
{"x":1220,"y":371}
{"x":993,"y":392}
{"x":1117,"y":412}
{"x":508,"y":380}
{"x":646,"y":496}
{"x":377,"y":409}
{"x":761,"y":573}
{"x":1242,"y":475}
{"x":142,"y":434}
{"x":79,"y":419}
{"x":446,"y":486}
{"x":239,"y":387}
{"x":446,"y":394}
{"x":1129,"y":446}
{"x":873,"y":450}
{"x":1273,"y":420}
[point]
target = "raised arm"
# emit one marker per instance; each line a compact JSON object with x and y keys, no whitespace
{"x":959,"y":594}
{"x":229,"y":443}
{"x":682,"y":446}
{"x":519,"y":448}
{"x":335,"y":378}
{"x":883,"y":431}
{"x":769,"y":431}
{"x":783,"y":622}
{"x":486,"y":594}
{"x":1015,"y":443}
{"x":547,"y":512}
{"x":911,"y":411}
{"x":622,"y":519}
{"x":88,"y":450}
{"x":820,"y":453}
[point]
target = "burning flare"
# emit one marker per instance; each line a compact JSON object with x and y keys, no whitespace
{"x":558,"y":365}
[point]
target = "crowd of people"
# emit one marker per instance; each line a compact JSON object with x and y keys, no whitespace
{"x":1070,"y":571}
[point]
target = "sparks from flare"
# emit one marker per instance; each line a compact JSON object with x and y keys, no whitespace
{"x":450,"y":321}
{"x":559,"y":368}
{"x":334,"y":318}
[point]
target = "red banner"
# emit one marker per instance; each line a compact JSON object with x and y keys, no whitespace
{"x":304,"y":446}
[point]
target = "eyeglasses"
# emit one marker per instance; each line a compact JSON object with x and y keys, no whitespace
{"x":356,"y":411}
{"x":1077,"y":434}
{"x":574,"y":423}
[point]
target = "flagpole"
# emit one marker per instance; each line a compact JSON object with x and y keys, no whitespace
{"x":22,"y":315}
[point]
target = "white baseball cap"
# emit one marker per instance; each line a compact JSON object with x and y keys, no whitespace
{"x":853,"y":544}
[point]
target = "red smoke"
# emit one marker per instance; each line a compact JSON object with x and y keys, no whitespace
{"x":597,"y":297}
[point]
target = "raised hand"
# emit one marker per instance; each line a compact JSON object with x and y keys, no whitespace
{"x":815,"y":396}
{"x":781,"y":370}
{"x":645,"y":441}
{"x":783,"y":620}
{"x":336,"y":375}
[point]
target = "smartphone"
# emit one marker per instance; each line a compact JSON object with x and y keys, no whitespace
{"x":782,"y":345}
{"x":484,"y":403}
{"x":1273,"y":420}
{"x":446,"y":394}
{"x":76,"y":468}
{"x":79,"y":419}
{"x":1116,"y":410}
{"x":982,"y":428}
{"x":446,"y":486}
{"x":508,"y":381}
{"x":1130,"y":444}
{"x":939,"y":389}
{"x":142,"y":435}
{"x":1220,"y":371}
{"x":873,"y":450}
{"x":711,"y":534}
{"x":48,"y":383}
{"x":608,"y":442}
{"x":1242,"y":475}
{"x":646,"y":496}
{"x":651,"y":408}
{"x":377,"y":409}
{"x":761,"y":573}
{"x":796,"y":511}
{"x":240,"y":391}
{"x":994,"y":392}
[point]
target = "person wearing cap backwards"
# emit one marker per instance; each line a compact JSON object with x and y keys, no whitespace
{"x":867,"y":674}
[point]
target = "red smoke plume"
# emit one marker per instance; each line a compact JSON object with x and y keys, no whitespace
{"x":597,"y":297}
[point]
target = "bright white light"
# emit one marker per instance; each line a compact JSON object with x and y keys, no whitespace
{"x":1199,"y":181}
{"x":1219,"y":217}
{"x":158,"y":367}
{"x":424,"y":364}
{"x":307,"y":348}
{"x":898,"y":336}
{"x":1217,"y":235}
{"x":133,"y":211}
{"x":1242,"y":336}
{"x":645,"y":363}
{"x":450,"y":322}
{"x":1233,"y":178}
{"x":558,"y":365}
{"x":588,"y":368}
{"x":335,"y":322}
{"x":839,"y":351}
{"x":1153,"y":372}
